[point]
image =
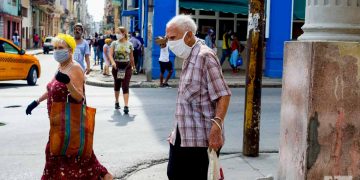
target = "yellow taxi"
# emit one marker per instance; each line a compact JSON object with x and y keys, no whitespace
{"x":16,"y":65}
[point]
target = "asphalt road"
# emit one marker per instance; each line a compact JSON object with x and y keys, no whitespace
{"x":122,"y":143}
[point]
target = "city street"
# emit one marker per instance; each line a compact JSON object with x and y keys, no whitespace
{"x":122,"y":143}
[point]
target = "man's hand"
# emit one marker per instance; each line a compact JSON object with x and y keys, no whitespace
{"x":215,"y":138}
{"x":87,"y":71}
{"x":61,"y":77}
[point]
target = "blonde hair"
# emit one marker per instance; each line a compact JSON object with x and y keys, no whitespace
{"x":107,"y":40}
{"x":124,"y":31}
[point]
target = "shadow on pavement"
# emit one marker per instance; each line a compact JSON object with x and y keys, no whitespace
{"x":13,"y":85}
{"x":121,"y":119}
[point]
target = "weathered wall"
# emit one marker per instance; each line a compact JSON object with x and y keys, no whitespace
{"x":320,"y":116}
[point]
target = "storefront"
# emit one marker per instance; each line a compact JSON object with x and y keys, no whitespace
{"x":284,"y":21}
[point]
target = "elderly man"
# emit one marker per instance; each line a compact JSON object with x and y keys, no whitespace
{"x":202,"y":102}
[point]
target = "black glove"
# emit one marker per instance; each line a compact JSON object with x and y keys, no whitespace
{"x":61,"y":77}
{"x":31,"y":106}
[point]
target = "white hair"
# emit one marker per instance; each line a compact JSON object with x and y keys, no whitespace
{"x":184,"y":22}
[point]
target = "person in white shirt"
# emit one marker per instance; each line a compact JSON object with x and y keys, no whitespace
{"x":165,"y":63}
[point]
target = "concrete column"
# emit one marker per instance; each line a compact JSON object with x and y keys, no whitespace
{"x":320,"y":127}
{"x":337,"y":20}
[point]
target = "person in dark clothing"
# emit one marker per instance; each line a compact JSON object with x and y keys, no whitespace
{"x":101,"y":43}
{"x":95,"y":45}
{"x":139,"y":66}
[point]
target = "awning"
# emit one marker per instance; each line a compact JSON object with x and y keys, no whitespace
{"x":299,"y":9}
{"x":226,"y":6}
{"x":235,"y":6}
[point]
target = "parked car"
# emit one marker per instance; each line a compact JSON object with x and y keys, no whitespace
{"x":15,"y":64}
{"x":48,"y":45}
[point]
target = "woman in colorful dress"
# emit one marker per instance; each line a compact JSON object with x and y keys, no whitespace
{"x":69,"y":80}
{"x":122,"y":61}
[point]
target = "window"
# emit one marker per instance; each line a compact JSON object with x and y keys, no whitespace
{"x":204,"y":26}
{"x":14,"y":2}
{"x":207,"y":13}
{"x":241,"y":28}
{"x":9,"y":48}
{"x":24,"y":11}
{"x":242,"y":16}
{"x":224,"y":26}
{"x":296,"y":30}
{"x":231,"y":15}
{"x":187,"y":11}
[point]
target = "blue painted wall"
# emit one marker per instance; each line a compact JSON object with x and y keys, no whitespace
{"x":279,"y":32}
{"x":163,"y":12}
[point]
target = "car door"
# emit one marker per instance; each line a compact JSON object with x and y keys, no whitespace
{"x":14,"y":68}
{"x":3,"y":67}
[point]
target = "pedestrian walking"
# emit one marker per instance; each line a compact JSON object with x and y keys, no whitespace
{"x":36,"y":40}
{"x":16,"y":38}
{"x":82,"y":51}
{"x":201,"y":105}
{"x":100,"y":47}
{"x":139,"y":67}
{"x":122,"y":61}
{"x":137,"y":50}
{"x":208,"y":39}
{"x":226,"y":44}
{"x":106,"y":51}
{"x":235,"y":50}
{"x":68,"y":84}
{"x":95,"y":45}
{"x":164,"y":61}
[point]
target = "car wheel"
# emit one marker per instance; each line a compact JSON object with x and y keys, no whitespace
{"x":32,"y":76}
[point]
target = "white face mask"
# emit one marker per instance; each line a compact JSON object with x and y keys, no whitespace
{"x":179,"y":48}
{"x":119,"y":36}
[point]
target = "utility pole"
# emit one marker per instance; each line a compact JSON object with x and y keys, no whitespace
{"x":255,"y":42}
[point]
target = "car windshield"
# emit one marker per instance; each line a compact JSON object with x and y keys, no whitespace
{"x":48,"y":40}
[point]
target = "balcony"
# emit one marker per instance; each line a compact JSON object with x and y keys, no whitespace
{"x":43,"y":2}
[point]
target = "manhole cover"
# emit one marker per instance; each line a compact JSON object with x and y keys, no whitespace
{"x":2,"y":124}
{"x":13,"y":106}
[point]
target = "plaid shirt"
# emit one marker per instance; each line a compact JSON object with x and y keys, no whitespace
{"x":201,"y":84}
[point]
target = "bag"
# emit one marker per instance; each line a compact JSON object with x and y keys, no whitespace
{"x":71,"y":129}
{"x":239,"y":61}
{"x":120,"y":73}
{"x":214,"y":170}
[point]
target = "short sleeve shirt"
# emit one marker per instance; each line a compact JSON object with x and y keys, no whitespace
{"x":81,"y":50}
{"x":201,"y":85}
{"x":122,"y":50}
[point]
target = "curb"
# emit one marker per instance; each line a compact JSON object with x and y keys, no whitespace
{"x":144,"y":84}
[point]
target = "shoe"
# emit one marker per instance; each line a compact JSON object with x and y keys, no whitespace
{"x":126,"y":110}
{"x":117,"y":106}
{"x":166,"y":85}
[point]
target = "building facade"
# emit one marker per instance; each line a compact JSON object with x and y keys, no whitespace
{"x":10,"y":18}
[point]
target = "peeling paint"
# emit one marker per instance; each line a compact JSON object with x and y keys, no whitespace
{"x":339,"y":130}
{"x":313,"y":149}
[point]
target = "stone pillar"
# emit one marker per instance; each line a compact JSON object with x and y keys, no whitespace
{"x":337,"y":20}
{"x":320,"y":125}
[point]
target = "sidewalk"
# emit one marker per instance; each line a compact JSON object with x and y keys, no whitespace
{"x":34,"y":51}
{"x":235,"y":167}
{"x":95,"y":78}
